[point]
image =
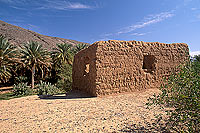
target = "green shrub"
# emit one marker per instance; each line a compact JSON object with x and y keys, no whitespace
{"x":181,"y":95}
{"x":45,"y":88}
{"x":65,"y":77}
{"x":22,"y":89}
{"x":21,"y":79}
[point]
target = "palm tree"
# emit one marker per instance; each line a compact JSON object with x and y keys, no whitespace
{"x":62,"y":57}
{"x":7,"y":58}
{"x":79,"y":47}
{"x":34,"y":57}
{"x":62,"y":54}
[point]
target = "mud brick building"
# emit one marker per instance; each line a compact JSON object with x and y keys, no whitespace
{"x":108,"y":67}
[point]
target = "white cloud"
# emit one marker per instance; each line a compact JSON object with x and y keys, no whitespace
{"x":193,"y":9}
{"x":78,"y":6}
{"x":139,"y":34}
{"x":194,"y":53}
{"x":47,"y":4}
{"x":18,"y":8}
{"x":15,"y":1}
{"x":151,"y":19}
{"x":147,"y":21}
{"x":107,"y":34}
{"x":64,"y":5}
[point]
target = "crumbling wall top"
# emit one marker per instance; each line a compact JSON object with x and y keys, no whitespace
{"x":141,"y":43}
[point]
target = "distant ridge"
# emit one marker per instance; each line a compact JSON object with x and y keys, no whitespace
{"x":17,"y":36}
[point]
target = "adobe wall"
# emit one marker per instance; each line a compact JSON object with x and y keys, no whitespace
{"x":84,"y":70}
{"x":125,"y":66}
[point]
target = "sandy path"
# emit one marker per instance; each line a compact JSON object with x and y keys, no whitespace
{"x":105,"y":114}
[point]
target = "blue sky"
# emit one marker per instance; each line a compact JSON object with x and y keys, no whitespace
{"x":167,"y":21}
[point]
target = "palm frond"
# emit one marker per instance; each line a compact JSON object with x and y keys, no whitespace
{"x":8,"y":54}
{"x":62,"y":54}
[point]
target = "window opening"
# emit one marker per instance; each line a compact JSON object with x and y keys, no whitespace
{"x":148,"y":63}
{"x":86,"y":66}
{"x":87,"y":69}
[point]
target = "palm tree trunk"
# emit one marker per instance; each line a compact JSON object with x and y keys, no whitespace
{"x":42,"y":73}
{"x":32,"y":78}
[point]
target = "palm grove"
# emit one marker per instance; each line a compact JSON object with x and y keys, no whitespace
{"x":31,"y":64}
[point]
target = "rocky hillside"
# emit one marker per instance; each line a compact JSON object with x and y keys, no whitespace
{"x":17,"y":35}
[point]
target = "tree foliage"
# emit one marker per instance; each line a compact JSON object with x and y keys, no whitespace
{"x":65,"y":77}
{"x":7,"y":59}
{"x":197,"y":58}
{"x":35,"y":58}
{"x":62,"y":54}
{"x":181,"y":95}
{"x":79,"y":47}
{"x":62,"y":57}
{"x":32,"y":62}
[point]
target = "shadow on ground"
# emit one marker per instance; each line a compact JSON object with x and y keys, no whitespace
{"x":145,"y":128}
{"x":69,"y":95}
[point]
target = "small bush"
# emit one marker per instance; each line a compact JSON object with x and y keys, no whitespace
{"x":22,"y":89}
{"x":65,"y":77}
{"x":45,"y":88}
{"x":21,"y":79}
{"x":181,"y":95}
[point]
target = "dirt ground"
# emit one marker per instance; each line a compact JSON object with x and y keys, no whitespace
{"x":5,"y":89}
{"x":78,"y":113}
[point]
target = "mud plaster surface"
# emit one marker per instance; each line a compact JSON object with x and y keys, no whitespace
{"x":111,"y":67}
